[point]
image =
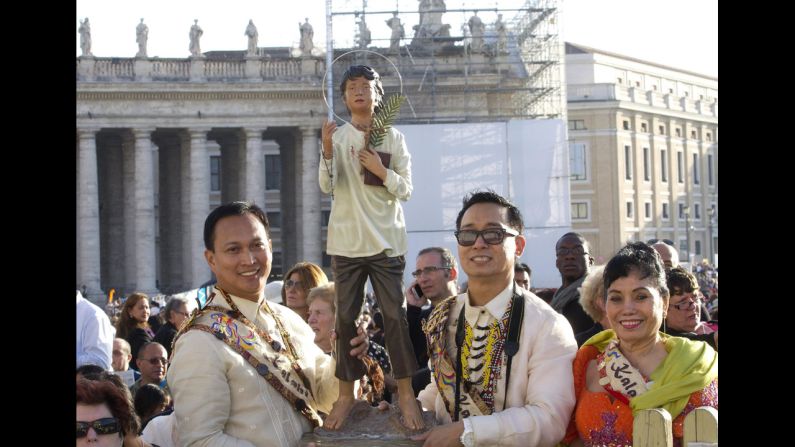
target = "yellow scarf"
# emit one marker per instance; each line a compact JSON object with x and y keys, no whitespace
{"x":689,"y":367}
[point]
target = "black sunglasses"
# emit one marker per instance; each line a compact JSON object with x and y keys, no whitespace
{"x":491,"y":236}
{"x":104,"y":426}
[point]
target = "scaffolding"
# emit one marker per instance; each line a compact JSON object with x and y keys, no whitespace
{"x":456,"y":63}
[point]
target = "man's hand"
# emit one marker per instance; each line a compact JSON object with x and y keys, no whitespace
{"x":411,"y":296}
{"x":447,"y":435}
{"x":370,"y":160}
{"x":329,"y":127}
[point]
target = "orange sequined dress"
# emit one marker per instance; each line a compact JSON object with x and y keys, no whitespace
{"x":600,"y":421}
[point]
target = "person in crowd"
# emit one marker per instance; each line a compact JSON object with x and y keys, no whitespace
{"x":670,"y":259}
{"x":436,"y":274}
{"x":668,"y":254}
{"x":500,"y":356}
{"x":236,"y":376}
{"x":321,"y":319}
{"x":133,"y":324}
{"x":592,"y":300}
{"x":522,"y":274}
{"x":366,"y":167}
{"x":684,"y":309}
{"x":155,"y":321}
{"x":174,"y":314}
{"x":634,"y":366}
{"x":132,"y":436}
{"x":573,"y":262}
{"x":94,"y":334}
{"x":89,"y":370}
{"x":545,"y":293}
{"x":153,"y":364}
{"x":104,"y":416}
{"x":301,"y":277}
{"x":150,"y":401}
{"x":121,"y":361}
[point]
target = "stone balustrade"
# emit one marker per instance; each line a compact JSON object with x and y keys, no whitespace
{"x":94,"y":69}
{"x":613,"y":92}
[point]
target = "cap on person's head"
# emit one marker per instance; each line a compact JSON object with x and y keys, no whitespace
{"x":273,"y":291}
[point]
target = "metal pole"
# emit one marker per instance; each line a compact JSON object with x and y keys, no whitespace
{"x":711,"y":246}
{"x":687,"y":229}
{"x":329,"y":61}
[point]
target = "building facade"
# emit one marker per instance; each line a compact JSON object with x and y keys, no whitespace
{"x":643,"y":152}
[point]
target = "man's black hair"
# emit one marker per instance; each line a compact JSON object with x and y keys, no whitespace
{"x":514,"y":215}
{"x":522,"y":267}
{"x":231,"y":209}
{"x":585,"y":244}
{"x":641,"y":258}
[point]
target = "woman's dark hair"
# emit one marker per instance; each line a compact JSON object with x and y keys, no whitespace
{"x":148,"y":401}
{"x":114,"y":380}
{"x":367,"y":72}
{"x":127,"y":323}
{"x":98,"y":392}
{"x":637,"y":257}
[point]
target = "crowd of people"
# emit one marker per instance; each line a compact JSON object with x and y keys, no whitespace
{"x":494,"y":362}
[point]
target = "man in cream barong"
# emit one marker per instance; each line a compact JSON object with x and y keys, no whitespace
{"x":500,"y":356}
{"x":244,"y":371}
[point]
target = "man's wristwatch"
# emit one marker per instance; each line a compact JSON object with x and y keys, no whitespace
{"x":468,"y":436}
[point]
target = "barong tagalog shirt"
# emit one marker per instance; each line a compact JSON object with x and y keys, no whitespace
{"x":366,"y":220}
{"x":540,"y":398}
{"x":221,"y":399}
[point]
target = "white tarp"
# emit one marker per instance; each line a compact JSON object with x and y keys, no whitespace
{"x":523,"y":160}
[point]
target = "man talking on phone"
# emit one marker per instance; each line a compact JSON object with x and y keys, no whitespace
{"x":435,"y":278}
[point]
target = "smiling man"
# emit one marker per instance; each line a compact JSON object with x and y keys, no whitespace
{"x":246,"y":372}
{"x":500,"y":356}
{"x":573,"y":260}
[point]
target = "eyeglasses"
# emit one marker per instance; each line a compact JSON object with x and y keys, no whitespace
{"x":291,"y":283}
{"x":104,"y":426}
{"x":577,"y":251}
{"x":689,"y":304}
{"x":156,"y":360}
{"x":491,"y":236}
{"x":665,"y":241}
{"x":427,"y":270}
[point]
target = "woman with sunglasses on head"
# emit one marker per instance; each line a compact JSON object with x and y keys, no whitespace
{"x":133,"y":324}
{"x":301,"y":278}
{"x":684,"y":309}
{"x":634,"y":366}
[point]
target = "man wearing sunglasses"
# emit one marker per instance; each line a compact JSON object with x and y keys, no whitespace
{"x":152,"y":361}
{"x":573,"y":261}
{"x":501,"y":358}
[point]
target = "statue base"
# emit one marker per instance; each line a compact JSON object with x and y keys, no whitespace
{"x":368,"y":426}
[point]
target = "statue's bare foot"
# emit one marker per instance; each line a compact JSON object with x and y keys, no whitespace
{"x":339,"y":412}
{"x":410,"y":410}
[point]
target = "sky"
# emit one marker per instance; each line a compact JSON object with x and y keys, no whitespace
{"x":679,"y":33}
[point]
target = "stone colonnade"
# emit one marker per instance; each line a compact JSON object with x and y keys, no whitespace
{"x":143,"y":194}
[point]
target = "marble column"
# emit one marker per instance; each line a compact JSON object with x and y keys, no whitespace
{"x":144,"y":220}
{"x":196,"y":188}
{"x":255,"y":166}
{"x":128,"y":212}
{"x":88,"y":215}
{"x":309,"y":231}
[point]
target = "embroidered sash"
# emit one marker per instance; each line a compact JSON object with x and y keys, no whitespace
{"x":270,"y":359}
{"x":618,"y":377}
